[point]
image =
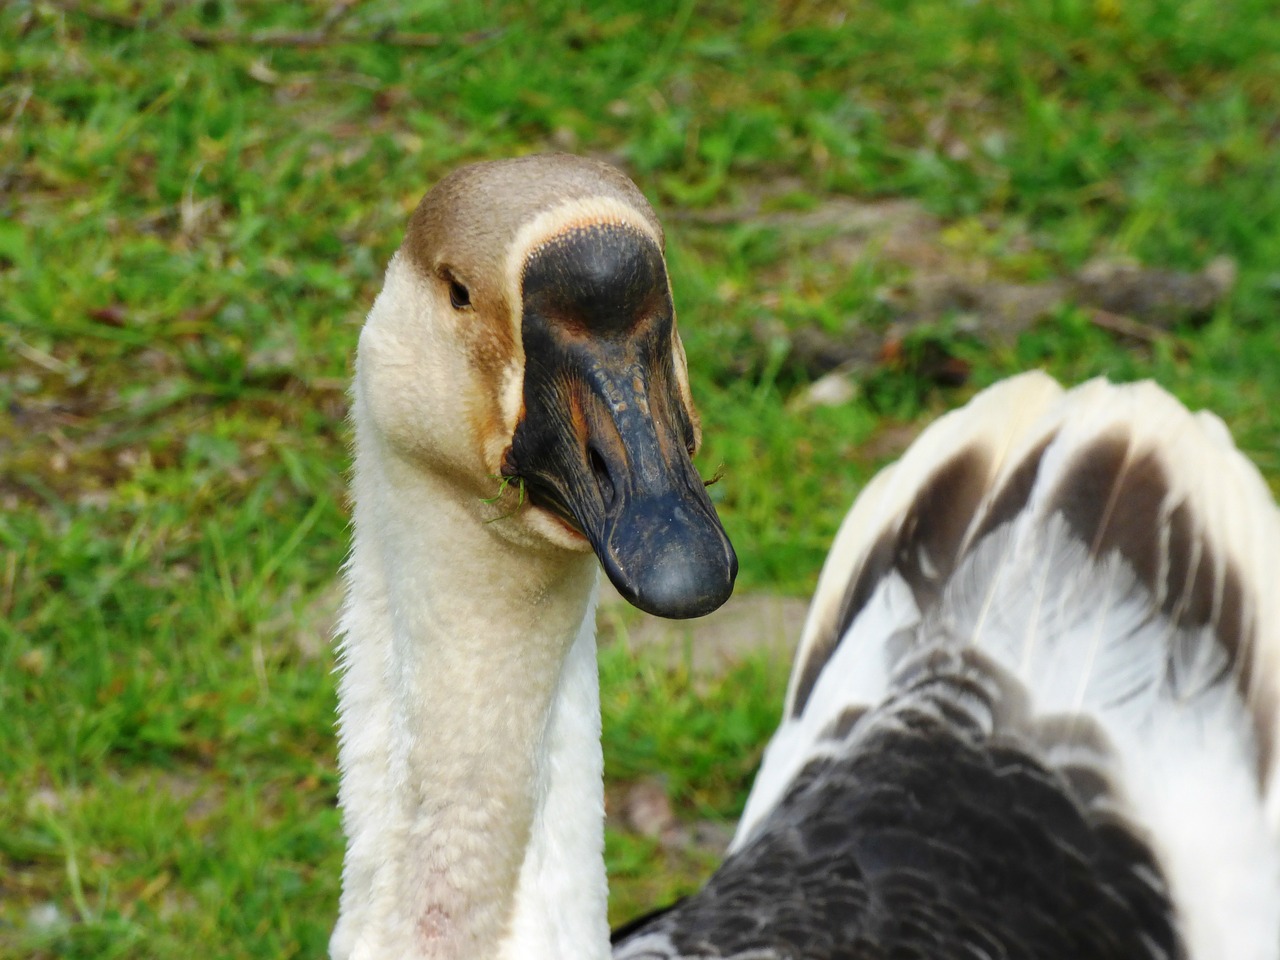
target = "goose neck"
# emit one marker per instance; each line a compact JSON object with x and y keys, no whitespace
{"x":469,"y":709}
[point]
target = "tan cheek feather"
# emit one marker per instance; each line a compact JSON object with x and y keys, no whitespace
{"x":494,"y":413}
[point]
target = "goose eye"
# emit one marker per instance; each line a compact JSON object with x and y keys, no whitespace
{"x":458,"y":295}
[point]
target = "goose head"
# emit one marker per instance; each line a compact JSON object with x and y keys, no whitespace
{"x":524,"y":348}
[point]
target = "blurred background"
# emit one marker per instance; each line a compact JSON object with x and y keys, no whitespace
{"x":872,"y":210}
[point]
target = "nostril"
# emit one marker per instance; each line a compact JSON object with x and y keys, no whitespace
{"x":603,"y":479}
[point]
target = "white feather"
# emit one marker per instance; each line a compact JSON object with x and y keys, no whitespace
{"x":1085,"y":636}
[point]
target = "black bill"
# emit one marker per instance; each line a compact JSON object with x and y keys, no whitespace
{"x":605,"y":439}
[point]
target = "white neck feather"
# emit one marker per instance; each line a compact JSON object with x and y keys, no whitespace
{"x":472,"y":788}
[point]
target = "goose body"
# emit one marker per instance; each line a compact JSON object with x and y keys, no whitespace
{"x":1033,"y":712}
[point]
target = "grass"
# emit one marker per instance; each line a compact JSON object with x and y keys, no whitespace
{"x":190,"y":234}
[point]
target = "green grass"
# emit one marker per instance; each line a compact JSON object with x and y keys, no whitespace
{"x":190,"y":235}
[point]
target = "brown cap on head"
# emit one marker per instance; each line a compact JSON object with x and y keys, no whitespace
{"x":474,"y":214}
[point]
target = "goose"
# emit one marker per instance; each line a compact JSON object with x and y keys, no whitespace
{"x":1033,"y":711}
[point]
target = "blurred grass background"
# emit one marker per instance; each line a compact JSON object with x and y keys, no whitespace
{"x":194,"y":214}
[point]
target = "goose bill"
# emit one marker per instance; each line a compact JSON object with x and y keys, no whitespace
{"x":605,"y":438}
